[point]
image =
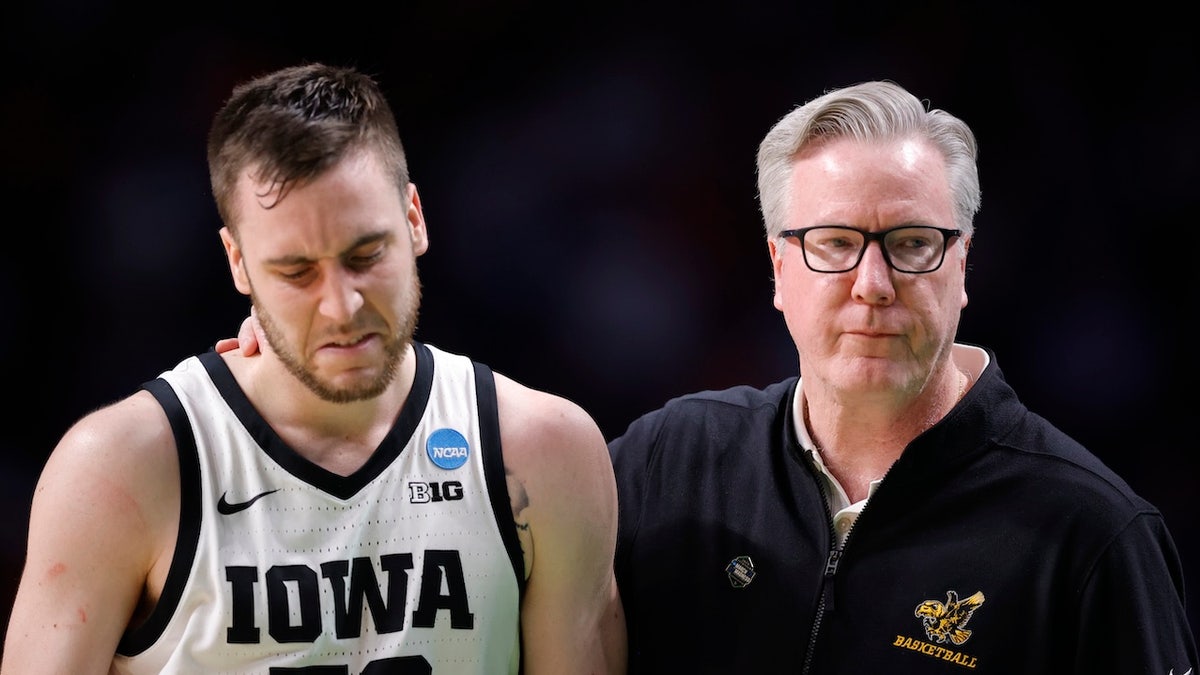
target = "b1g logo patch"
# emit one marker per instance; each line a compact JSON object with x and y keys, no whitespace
{"x":427,"y":493}
{"x":447,"y":448}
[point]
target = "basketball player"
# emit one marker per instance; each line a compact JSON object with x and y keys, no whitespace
{"x":350,"y":501}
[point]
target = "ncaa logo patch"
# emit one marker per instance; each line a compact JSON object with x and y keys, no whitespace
{"x":447,"y":448}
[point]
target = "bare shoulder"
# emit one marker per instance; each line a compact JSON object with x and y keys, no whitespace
{"x":114,"y":471}
{"x":537,"y":427}
{"x":560,"y":478}
{"x":129,"y":441}
{"x":102,"y":527}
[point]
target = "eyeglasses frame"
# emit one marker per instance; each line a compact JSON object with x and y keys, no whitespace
{"x":868,"y":237}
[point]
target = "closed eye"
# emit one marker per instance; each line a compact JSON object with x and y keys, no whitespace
{"x":296,"y":275}
{"x":361,"y":260}
{"x":367,"y":251}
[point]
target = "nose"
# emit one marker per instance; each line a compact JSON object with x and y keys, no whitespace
{"x":340,"y":298}
{"x":873,"y":277}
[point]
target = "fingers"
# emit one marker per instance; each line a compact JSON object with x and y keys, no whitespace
{"x":225,"y":344}
{"x":248,"y":340}
{"x":248,"y":336}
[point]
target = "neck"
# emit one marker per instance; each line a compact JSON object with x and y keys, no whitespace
{"x":860,"y":436}
{"x":336,"y":436}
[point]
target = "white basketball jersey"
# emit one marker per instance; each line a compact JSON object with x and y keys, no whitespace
{"x":410,"y":565}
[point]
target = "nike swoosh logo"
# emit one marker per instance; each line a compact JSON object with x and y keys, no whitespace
{"x":225,"y":508}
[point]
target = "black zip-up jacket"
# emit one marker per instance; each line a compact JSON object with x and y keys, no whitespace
{"x":995,"y":544}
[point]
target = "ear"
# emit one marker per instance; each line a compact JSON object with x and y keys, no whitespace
{"x":237,"y":264}
{"x":776,"y":254}
{"x":416,"y":221}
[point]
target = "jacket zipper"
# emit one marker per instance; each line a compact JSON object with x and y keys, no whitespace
{"x":836,"y":552}
{"x":831,"y":564}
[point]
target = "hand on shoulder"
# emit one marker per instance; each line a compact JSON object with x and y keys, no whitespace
{"x":248,"y":339}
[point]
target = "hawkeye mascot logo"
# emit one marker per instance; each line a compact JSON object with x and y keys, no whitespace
{"x":944,"y":622}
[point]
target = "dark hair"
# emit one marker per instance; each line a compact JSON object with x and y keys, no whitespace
{"x":291,"y":125}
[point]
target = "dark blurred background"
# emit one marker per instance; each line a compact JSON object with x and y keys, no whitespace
{"x":587,"y":173}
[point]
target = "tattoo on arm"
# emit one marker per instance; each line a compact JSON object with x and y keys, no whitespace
{"x":519,"y":499}
{"x":517,"y":494}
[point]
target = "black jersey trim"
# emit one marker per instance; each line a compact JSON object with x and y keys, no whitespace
{"x":494,"y":474}
{"x":342,"y":487}
{"x":493,"y":469}
{"x":139,"y":639}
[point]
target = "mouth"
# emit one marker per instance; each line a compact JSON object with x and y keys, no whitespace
{"x":350,"y":343}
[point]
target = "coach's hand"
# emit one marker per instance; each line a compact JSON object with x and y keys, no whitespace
{"x":248,"y":338}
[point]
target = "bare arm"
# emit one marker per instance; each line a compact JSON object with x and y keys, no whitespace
{"x":565,"y":494}
{"x":104,"y":508}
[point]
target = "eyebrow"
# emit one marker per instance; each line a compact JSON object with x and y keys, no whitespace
{"x":907,"y":223}
{"x":366,"y":239}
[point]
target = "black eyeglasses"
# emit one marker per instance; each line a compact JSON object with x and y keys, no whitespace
{"x":913,"y":249}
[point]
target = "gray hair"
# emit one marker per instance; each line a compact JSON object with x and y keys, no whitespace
{"x":868,"y":111}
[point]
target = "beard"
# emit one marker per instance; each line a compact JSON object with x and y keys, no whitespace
{"x":394,"y":348}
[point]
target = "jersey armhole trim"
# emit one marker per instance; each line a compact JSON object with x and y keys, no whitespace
{"x":140,"y":639}
{"x":493,"y":469}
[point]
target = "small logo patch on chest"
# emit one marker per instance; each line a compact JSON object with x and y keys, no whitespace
{"x":447,"y":448}
{"x":740,"y":571}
